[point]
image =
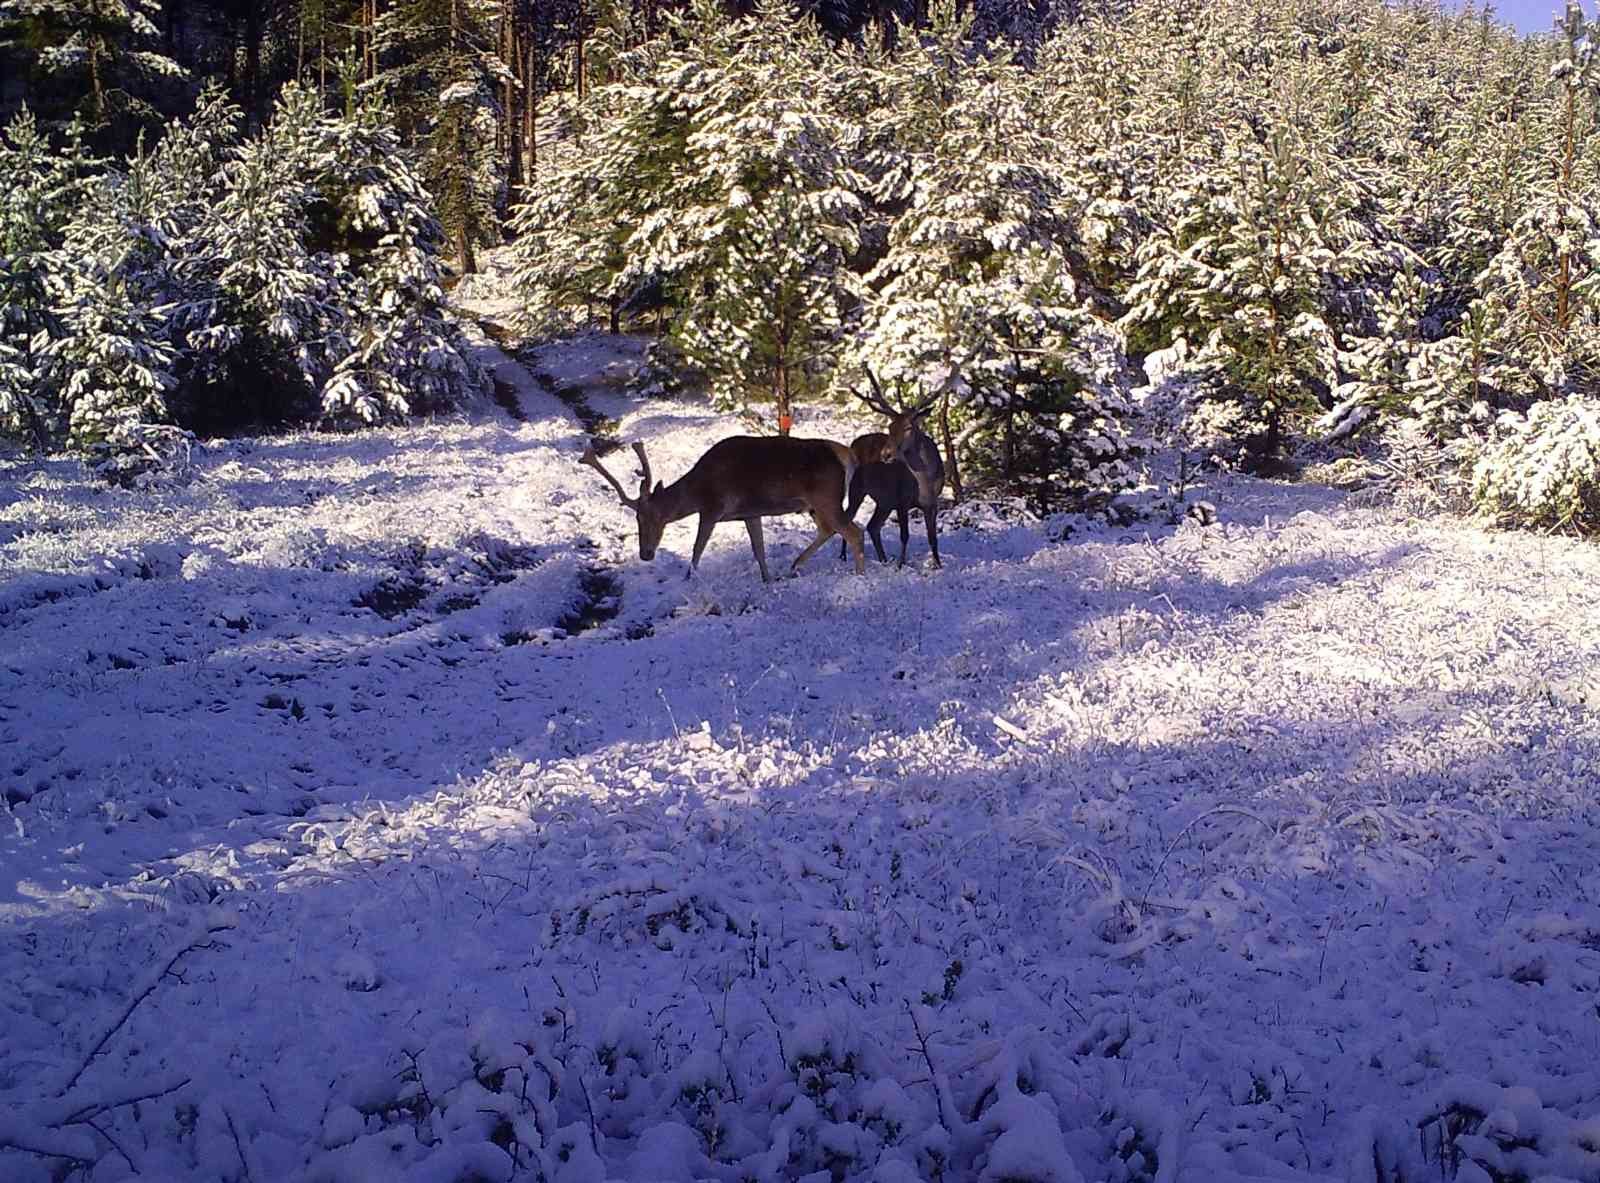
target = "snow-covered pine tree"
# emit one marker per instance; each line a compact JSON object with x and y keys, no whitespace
{"x":399,"y":353}
{"x":441,"y":71}
{"x":715,"y":177}
{"x":770,"y":324}
{"x":39,"y":188}
{"x":1544,"y":281}
{"x":1249,"y":243}
{"x":1541,"y":466}
{"x":603,"y":225}
{"x":129,"y":291}
{"x":103,"y":54}
{"x":776,"y":219}
{"x":982,"y":292}
{"x":274,"y":310}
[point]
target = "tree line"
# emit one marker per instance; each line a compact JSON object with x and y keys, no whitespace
{"x":1223,"y":228}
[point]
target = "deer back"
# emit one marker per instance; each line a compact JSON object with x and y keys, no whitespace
{"x":747,"y":476}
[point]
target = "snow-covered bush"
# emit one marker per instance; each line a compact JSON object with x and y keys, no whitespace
{"x":140,"y":455}
{"x":212,"y":283}
{"x":1542,"y":468}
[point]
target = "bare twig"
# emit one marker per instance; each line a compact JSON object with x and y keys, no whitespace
{"x":934,"y":1079}
{"x":238,"y":1146}
{"x":778,"y":1027}
{"x":87,"y":1112}
{"x":200,"y":940}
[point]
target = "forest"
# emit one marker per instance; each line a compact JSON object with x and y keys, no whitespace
{"x":1332,"y":232}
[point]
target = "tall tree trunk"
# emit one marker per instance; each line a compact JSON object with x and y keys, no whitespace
{"x":951,"y":463}
{"x":95,"y":88}
{"x":254,"y":25}
{"x":530,"y":107}
{"x":780,"y":395}
{"x":510,"y":131}
{"x":579,"y":65}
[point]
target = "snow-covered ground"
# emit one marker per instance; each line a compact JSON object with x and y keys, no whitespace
{"x":1264,"y":850}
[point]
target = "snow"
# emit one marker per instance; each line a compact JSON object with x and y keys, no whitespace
{"x":1264,"y":849}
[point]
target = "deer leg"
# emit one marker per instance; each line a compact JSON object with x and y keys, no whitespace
{"x":858,"y":492}
{"x":880,"y":514}
{"x":708,"y":523}
{"x":824,"y":532}
{"x":902,"y":515}
{"x":758,"y":543}
{"x":930,"y":518}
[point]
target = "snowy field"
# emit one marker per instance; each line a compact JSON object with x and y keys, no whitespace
{"x":373,"y":813}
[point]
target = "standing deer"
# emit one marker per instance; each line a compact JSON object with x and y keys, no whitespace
{"x":747,"y":478}
{"x":898,"y":469}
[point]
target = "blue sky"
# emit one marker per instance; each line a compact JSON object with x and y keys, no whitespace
{"x":1533,"y":16}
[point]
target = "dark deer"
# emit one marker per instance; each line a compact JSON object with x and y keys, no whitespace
{"x":898,"y":469}
{"x":746,"y":478}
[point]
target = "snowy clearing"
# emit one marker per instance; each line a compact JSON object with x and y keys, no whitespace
{"x":428,"y":834}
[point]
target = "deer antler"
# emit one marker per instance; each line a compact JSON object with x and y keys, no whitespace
{"x":876,"y":400}
{"x":593,"y":462}
{"x":644,"y":463}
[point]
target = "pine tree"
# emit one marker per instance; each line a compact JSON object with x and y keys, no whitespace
{"x":715,"y":177}
{"x":39,"y":188}
{"x":983,"y":290}
{"x":101,"y":52}
{"x":441,"y":73}
{"x":1544,"y":281}
{"x":769,"y":327}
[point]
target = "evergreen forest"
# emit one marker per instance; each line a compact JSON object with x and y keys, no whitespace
{"x":1340,"y":233}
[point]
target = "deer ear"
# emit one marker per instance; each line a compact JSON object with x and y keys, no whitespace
{"x":657,"y":489}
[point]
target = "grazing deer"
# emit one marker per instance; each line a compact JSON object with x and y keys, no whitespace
{"x":747,"y":478}
{"x":898,"y":469}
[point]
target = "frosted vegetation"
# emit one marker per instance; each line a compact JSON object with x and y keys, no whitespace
{"x":1329,"y":219}
{"x":214,"y":281}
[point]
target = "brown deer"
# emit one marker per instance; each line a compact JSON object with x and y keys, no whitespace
{"x":909,"y":472}
{"x":746,"y":478}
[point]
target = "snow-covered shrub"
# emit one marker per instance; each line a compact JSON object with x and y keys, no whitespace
{"x":1542,"y":469}
{"x":660,"y":371}
{"x":1482,"y":1130}
{"x":139,"y":455}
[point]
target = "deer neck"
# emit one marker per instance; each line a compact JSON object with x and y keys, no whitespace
{"x":678,"y":500}
{"x":922,"y":458}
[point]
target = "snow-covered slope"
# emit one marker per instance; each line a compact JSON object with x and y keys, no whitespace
{"x":375,"y":813}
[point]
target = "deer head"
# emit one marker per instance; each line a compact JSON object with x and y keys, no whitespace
{"x":651,"y":520}
{"x":905,"y":423}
